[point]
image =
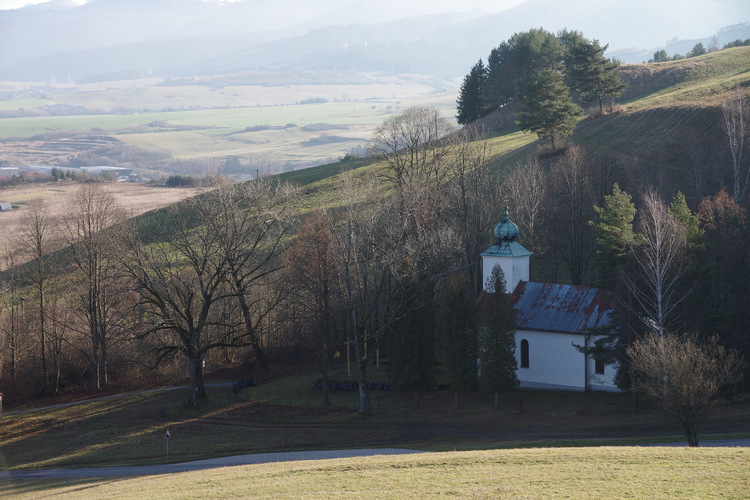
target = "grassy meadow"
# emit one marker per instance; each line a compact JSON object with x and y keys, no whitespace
{"x":622,"y":472}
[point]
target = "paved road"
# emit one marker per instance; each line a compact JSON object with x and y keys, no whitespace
{"x":144,"y":470}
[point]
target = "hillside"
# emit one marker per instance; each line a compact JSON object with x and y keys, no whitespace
{"x":665,"y":134}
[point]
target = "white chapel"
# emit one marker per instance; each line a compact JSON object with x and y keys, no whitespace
{"x":550,"y":319}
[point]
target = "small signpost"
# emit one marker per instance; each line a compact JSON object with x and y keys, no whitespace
{"x":166,"y":437}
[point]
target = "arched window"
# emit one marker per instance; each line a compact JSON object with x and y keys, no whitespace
{"x":524,"y":353}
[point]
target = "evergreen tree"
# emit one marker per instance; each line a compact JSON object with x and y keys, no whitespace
{"x":697,"y":50}
{"x":614,"y":235}
{"x":412,"y":351}
{"x":548,"y":111}
{"x":469,"y":103}
{"x":591,"y":74}
{"x":497,"y":340}
{"x":660,"y":56}
{"x":457,"y":336}
{"x":513,"y":65}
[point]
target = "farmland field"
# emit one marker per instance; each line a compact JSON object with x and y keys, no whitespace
{"x":134,"y":198}
{"x":298,"y":125}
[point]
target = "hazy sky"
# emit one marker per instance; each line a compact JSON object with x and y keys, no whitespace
{"x":628,"y":23}
{"x":411,"y":6}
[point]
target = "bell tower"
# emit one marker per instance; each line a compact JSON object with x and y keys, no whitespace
{"x":512,"y":257}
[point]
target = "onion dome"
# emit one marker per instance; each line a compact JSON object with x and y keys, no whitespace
{"x":506,"y":230}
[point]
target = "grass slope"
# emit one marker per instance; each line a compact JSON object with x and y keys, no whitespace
{"x":284,"y":414}
{"x":541,"y":473}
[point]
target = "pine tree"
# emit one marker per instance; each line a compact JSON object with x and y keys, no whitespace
{"x":513,"y":65}
{"x":457,"y":336}
{"x":549,"y":110}
{"x":412,"y":350}
{"x":469,"y":103}
{"x":614,"y":235}
{"x":497,"y":341}
{"x":591,"y":74}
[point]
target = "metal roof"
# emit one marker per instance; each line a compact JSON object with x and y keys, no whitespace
{"x":506,"y":249}
{"x":560,"y":308}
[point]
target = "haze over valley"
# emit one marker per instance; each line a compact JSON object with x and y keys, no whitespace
{"x":192,"y":86}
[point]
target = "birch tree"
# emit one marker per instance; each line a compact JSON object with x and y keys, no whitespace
{"x":659,"y":264}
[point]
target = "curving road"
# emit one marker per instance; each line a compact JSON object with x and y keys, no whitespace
{"x":144,"y":470}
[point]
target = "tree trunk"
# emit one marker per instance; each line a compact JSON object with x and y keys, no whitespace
{"x":326,"y":401}
{"x":192,"y":400}
{"x":364,"y":391}
{"x":199,"y":383}
{"x":497,"y":401}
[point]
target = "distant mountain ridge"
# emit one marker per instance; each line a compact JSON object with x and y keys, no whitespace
{"x":169,"y":38}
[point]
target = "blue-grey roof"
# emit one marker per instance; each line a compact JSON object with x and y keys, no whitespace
{"x":560,"y":308}
{"x":504,"y":248}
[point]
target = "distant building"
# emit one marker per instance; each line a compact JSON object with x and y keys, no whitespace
{"x":8,"y":171}
{"x":551,"y":319}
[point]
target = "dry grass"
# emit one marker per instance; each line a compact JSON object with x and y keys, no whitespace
{"x":623,"y":472}
{"x":136,"y":199}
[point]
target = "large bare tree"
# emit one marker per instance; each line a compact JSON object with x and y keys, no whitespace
{"x":469,"y":204}
{"x":38,"y":236}
{"x":570,"y":202}
{"x":413,"y":144}
{"x":100,"y":297}
{"x":255,"y":221}
{"x":175,"y":260}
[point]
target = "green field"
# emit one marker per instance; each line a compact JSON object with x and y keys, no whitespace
{"x":196,"y":121}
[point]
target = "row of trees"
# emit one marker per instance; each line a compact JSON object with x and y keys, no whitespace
{"x":697,"y":50}
{"x":188,"y":279}
{"x":535,"y":72}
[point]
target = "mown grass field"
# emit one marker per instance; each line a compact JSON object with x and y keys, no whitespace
{"x":605,"y":472}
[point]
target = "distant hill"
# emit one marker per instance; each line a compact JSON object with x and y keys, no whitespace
{"x":105,"y":39}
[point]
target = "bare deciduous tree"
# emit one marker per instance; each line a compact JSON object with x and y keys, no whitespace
{"x":391,"y":249}
{"x":570,"y":208}
{"x":180,"y":274}
{"x":660,"y":264}
{"x":468,"y":204}
{"x":256,"y":219}
{"x":99,"y":296}
{"x":414,"y":147}
{"x":683,"y":375}
{"x":524,"y":189}
{"x":312,"y":266}
{"x":38,"y":236}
